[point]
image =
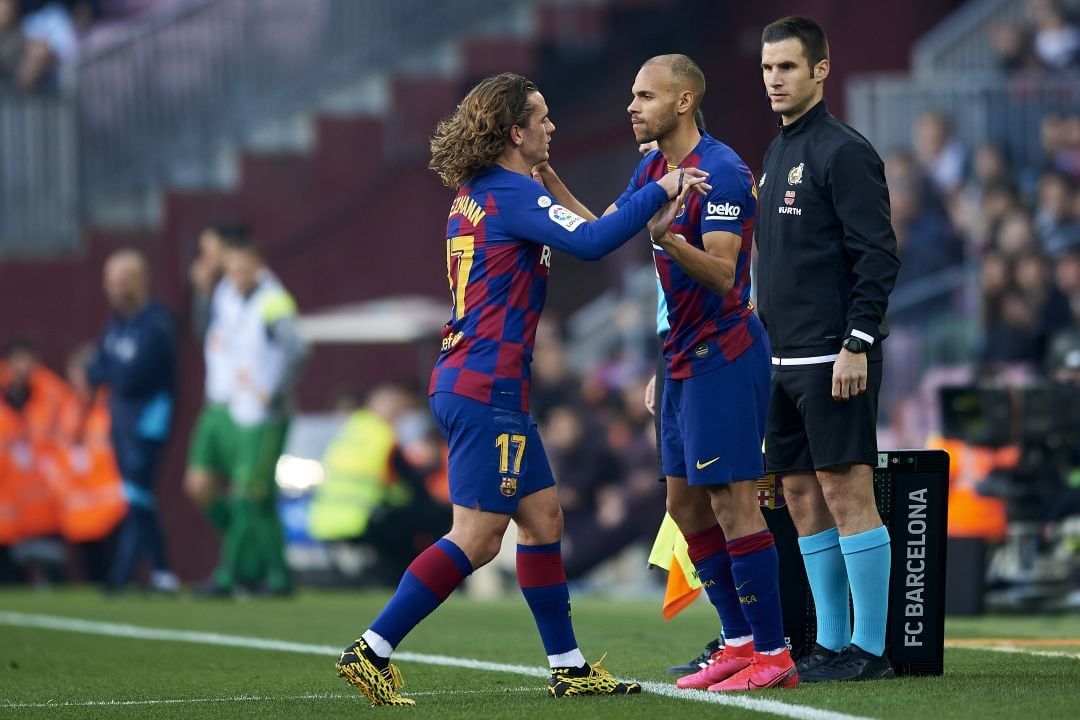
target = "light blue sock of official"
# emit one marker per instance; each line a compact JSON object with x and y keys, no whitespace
{"x":827,"y":573}
{"x":868,"y":556}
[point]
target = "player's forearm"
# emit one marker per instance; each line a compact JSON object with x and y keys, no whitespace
{"x":562,"y":194}
{"x":714,"y":273}
{"x":599,"y":237}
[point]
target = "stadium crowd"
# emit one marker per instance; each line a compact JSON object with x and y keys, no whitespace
{"x":40,"y":40}
{"x":999,"y":238}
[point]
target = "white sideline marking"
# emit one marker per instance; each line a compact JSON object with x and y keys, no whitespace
{"x":118,"y":703}
{"x":53,"y":622}
{"x":242,"y":698}
{"x":1015,"y":650}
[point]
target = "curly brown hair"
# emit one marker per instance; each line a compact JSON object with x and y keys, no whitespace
{"x":475,"y":135}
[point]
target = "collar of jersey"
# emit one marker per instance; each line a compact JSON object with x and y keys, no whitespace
{"x":802,"y":123}
{"x":698,"y":151}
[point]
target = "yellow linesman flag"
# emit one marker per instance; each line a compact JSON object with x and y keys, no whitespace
{"x":669,"y":551}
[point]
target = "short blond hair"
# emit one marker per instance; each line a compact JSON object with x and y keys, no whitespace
{"x":685,"y":72}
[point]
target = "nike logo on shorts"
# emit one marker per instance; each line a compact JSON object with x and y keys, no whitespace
{"x":702,"y":465}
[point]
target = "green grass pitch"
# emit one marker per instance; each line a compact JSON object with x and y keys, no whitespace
{"x":63,"y":672}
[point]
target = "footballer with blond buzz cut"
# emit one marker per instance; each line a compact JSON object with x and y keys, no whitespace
{"x":716,"y":390}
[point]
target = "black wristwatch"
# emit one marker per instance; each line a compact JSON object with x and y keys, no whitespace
{"x":855,"y":345}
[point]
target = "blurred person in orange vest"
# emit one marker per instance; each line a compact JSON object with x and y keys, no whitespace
{"x":32,"y":391}
{"x":93,"y":501}
{"x":30,"y":403}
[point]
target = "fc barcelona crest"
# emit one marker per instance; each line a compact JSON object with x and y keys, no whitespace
{"x":508,"y":487}
{"x":770,"y":492}
{"x":794,"y":176}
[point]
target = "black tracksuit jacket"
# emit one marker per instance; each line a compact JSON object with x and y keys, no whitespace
{"x":827,"y":257}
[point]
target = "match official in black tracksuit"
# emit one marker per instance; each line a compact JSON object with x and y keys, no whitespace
{"x":826,"y":265}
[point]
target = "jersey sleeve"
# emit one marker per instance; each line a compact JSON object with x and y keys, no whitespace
{"x":635,"y":182}
{"x":861,"y":199}
{"x":731,"y":200}
{"x":529,"y":213}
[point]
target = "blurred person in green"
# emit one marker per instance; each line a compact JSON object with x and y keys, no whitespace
{"x":262,"y":357}
{"x":215,"y":304}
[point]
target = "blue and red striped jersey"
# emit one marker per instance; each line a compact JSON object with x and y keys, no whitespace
{"x":707,"y":330}
{"x":500,"y":232}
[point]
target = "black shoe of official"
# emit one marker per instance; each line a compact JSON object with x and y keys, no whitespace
{"x":852,"y":663}
{"x":819,"y":655}
{"x":697,"y":663}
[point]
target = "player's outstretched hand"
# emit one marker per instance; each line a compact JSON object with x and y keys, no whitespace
{"x":661,"y":221}
{"x":681,"y":178}
{"x":650,"y":396}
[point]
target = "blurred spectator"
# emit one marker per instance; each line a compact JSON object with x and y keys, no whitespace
{"x":23,"y":61}
{"x":1009,"y":334}
{"x":552,"y":383}
{"x":1049,"y":42}
{"x":1056,"y":42}
{"x":1043,"y":296}
{"x":939,"y":153}
{"x":1013,"y":336}
{"x":372,"y":494}
{"x":49,"y":23}
{"x":32,"y":390}
{"x":999,"y":201}
{"x":216,"y":304}
{"x":265,"y":356}
{"x":30,"y":404}
{"x":136,"y":359}
{"x":990,"y":169}
{"x":1061,"y":144}
{"x":902,"y":166}
{"x":606,"y":481}
{"x":584,"y":467}
{"x":1067,"y":279}
{"x":93,"y":502}
{"x":1057,"y":227}
{"x":1015,"y":235}
{"x":925,"y":238}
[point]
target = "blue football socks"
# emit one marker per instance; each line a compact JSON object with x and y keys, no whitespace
{"x":432,"y":576}
{"x":827,"y":573}
{"x":868,"y":556}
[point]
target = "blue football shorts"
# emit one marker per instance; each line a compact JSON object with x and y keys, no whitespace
{"x":496,"y":455}
{"x":713,"y":424}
